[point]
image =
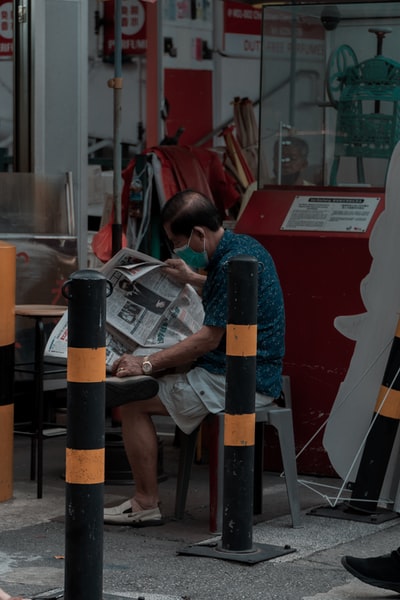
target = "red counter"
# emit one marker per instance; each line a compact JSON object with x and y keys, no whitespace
{"x":320,"y":274}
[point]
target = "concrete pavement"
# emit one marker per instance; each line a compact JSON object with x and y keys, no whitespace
{"x":146,"y":563}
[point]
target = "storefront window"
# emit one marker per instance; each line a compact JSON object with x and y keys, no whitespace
{"x":330,"y":93}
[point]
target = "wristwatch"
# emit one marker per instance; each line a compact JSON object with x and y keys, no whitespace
{"x":147,"y":367}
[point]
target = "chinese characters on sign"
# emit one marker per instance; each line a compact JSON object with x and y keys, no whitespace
{"x":6,"y":29}
{"x":133,"y":24}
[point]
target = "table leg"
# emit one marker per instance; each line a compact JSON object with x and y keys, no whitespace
{"x":39,"y":374}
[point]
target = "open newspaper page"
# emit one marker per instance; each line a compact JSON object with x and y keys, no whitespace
{"x":145,"y":312}
{"x":57,"y":346}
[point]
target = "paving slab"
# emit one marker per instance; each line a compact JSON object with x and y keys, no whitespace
{"x":146,"y":563}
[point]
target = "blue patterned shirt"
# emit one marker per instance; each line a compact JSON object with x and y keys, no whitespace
{"x":270,"y":311}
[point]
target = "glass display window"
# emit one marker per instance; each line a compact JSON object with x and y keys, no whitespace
{"x":330,"y":93}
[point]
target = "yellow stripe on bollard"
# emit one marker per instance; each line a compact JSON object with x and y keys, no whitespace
{"x":241,"y":340}
{"x":86,"y":365}
{"x":391,"y":403}
{"x":239,"y":430}
{"x":397,"y":334}
{"x":7,"y":291}
{"x":84,"y":466}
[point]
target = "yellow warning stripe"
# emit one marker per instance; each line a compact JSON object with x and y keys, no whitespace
{"x":84,"y":466}
{"x":7,"y":292}
{"x":239,"y":430}
{"x":391,"y":403}
{"x":241,"y":340}
{"x":397,"y":334}
{"x":6,"y":451}
{"x":86,"y":365}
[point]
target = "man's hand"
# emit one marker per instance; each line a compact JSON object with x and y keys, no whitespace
{"x":179,"y":271}
{"x":181,"y":353}
{"x":5,"y":596}
{"x":126,"y":366}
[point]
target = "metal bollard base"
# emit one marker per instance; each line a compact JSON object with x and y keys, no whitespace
{"x":343,"y":511}
{"x":53,"y":594}
{"x":58,"y":594}
{"x":258,"y":553}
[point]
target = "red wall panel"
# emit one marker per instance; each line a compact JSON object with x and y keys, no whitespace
{"x":320,"y":274}
{"x":189,"y":94}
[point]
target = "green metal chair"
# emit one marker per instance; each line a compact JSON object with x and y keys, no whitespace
{"x":368,"y":112}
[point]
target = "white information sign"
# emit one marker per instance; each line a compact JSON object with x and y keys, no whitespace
{"x":330,"y":213}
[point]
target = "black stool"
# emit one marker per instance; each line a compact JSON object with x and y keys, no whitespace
{"x":37,"y":429}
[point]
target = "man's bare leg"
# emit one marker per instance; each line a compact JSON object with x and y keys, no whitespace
{"x":5,"y":596}
{"x":141,"y":447}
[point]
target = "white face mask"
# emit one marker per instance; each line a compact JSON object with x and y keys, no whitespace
{"x":195,"y":260}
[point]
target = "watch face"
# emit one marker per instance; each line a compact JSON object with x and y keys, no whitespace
{"x":147,"y":367}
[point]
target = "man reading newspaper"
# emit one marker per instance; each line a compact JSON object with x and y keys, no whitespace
{"x":146,"y":311}
{"x":193,"y":227}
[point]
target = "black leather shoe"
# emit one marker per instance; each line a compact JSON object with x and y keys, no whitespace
{"x":380,"y":571}
{"x":122,"y":390}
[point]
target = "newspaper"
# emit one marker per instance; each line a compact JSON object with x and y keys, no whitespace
{"x":146,"y":311}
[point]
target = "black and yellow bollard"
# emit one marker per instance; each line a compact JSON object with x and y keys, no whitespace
{"x":86,"y":372}
{"x":240,"y":418}
{"x":7,"y":343}
{"x":239,"y":422}
{"x":379,"y":443}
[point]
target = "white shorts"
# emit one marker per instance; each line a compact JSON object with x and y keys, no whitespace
{"x":190,"y":397}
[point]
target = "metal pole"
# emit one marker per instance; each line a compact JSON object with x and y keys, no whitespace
{"x":281,"y":143}
{"x":293,"y":59}
{"x":116,"y":84}
{"x":239,"y":423}
{"x":86,"y":373}
{"x":379,"y":444}
{"x":7,"y":340}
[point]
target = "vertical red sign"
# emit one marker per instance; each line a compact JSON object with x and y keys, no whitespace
{"x":133,"y":24}
{"x":6,"y":28}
